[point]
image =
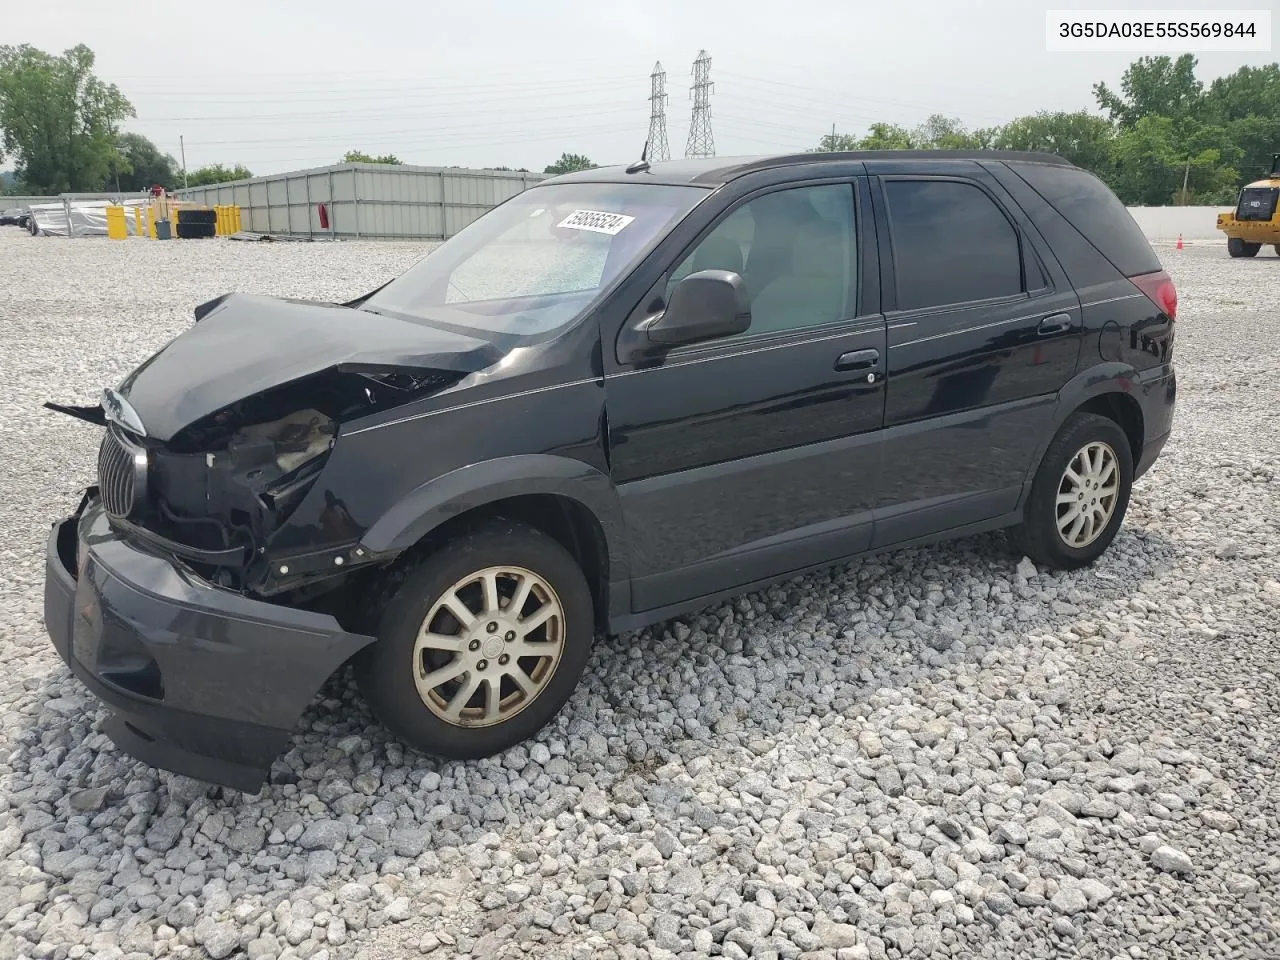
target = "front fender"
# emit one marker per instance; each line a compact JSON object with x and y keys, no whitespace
{"x":427,"y":506}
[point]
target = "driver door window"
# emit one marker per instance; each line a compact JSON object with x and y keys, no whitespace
{"x":796,"y":252}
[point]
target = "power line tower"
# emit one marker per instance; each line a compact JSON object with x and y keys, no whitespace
{"x":658,"y":149}
{"x":701,"y":142}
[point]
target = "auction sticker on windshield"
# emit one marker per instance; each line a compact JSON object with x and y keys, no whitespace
{"x":596,"y":221}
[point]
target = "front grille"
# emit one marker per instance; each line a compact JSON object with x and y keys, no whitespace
{"x":122,"y":471}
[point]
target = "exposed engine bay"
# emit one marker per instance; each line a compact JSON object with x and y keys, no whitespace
{"x":216,"y":492}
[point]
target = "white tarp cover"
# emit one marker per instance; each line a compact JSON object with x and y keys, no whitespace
{"x":88,"y":217}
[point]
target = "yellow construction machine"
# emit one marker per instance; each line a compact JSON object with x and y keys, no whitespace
{"x":1256,"y":219}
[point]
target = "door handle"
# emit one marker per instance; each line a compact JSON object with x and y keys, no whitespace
{"x":858,"y":360}
{"x":1054,"y":324}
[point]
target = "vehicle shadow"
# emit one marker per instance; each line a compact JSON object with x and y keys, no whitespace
{"x":727,"y":685}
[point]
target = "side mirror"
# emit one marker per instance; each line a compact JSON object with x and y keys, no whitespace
{"x":703,"y":306}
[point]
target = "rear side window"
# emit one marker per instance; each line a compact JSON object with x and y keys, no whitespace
{"x":1089,"y":205}
{"x":951,"y":244}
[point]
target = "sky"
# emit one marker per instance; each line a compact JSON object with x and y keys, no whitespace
{"x":280,"y":85}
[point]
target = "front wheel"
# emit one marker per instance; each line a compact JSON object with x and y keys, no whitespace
{"x":480,"y":644}
{"x":1239,"y":248}
{"x":1079,"y":495}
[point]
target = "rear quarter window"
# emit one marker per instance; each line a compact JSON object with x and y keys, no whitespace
{"x":1089,"y":205}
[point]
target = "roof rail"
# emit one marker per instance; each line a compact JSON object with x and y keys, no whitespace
{"x":1022,"y":156}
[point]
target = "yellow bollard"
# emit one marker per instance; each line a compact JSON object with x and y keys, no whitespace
{"x":117,"y":229}
{"x":151,"y":223}
{"x":235,"y":219}
{"x":137,"y":222}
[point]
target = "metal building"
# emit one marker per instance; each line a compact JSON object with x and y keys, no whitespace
{"x":374,"y":201}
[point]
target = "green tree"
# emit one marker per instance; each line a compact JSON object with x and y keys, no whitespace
{"x":1152,"y":159}
{"x":60,"y":122}
{"x":836,"y":143}
{"x":1153,"y":86}
{"x":141,"y":164}
{"x":886,"y":136}
{"x":936,"y":133}
{"x":359,"y":156}
{"x":1079,"y":137}
{"x":216,"y":173}
{"x":1247,"y":104}
{"x":947,"y":133}
{"x":568,"y":163}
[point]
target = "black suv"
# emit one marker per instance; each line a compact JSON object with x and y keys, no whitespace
{"x":616,"y":397}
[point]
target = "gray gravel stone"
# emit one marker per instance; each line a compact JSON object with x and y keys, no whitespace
{"x":1070,"y":900}
{"x":1217,"y":820}
{"x":1171,"y":860}
{"x":323,"y":835}
{"x":833,"y":936}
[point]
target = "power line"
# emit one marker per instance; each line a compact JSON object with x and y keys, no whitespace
{"x":839,"y":96}
{"x":701,"y":142}
{"x":658,"y":149}
{"x":406,"y":114}
{"x":325,"y":157}
{"x":305,"y":95}
{"x":774,"y":68}
{"x":332,"y":75}
{"x":422,"y":132}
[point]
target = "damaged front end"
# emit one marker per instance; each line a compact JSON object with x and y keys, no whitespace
{"x":213,"y":443}
{"x":216,"y":492}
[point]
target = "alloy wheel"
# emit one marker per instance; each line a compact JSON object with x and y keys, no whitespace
{"x":1087,"y":494}
{"x":489,"y":646}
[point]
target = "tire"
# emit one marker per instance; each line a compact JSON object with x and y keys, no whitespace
{"x":1277,"y":249}
{"x":1238,"y":248}
{"x":1039,"y":536}
{"x":386,"y":670}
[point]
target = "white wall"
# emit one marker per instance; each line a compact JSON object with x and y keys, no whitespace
{"x":1165,"y":223}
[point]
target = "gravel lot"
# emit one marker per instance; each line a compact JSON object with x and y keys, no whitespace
{"x":932,"y":753}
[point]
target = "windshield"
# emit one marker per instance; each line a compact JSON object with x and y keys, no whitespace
{"x":538,"y":261}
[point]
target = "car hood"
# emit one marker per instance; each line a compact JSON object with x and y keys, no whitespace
{"x":243,"y":344}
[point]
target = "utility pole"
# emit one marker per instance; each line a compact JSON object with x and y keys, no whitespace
{"x":658,"y":149}
{"x":701,"y":142}
{"x":183,"y":147}
{"x":1186,"y":176}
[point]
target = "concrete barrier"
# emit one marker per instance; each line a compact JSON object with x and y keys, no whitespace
{"x":1166,"y":223}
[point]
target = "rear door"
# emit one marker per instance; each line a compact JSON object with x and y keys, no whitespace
{"x":983,"y":330}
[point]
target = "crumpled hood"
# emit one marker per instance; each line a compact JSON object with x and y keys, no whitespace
{"x":243,"y":344}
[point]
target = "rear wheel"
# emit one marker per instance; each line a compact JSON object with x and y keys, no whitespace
{"x":1239,"y":248}
{"x":1079,"y":495}
{"x":1277,"y":248}
{"x":481,"y":644}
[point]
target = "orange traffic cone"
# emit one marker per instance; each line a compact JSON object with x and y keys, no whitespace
{"x":1179,"y":246}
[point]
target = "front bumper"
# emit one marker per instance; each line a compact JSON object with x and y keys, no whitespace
{"x":1251,"y":231}
{"x":199,"y":680}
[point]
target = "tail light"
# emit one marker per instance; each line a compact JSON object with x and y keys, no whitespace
{"x":1159,"y":288}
